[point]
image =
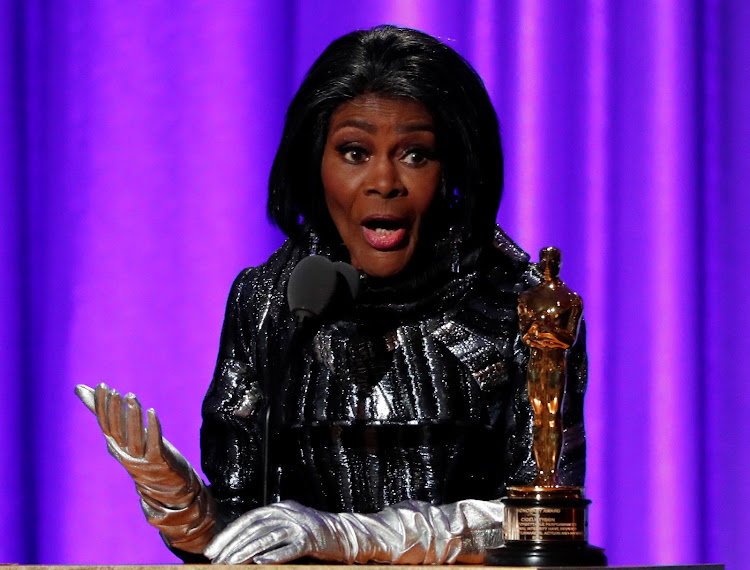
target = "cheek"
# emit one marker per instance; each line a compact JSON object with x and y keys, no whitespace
{"x":332,"y":185}
{"x":338,"y":199}
{"x":425,"y":189}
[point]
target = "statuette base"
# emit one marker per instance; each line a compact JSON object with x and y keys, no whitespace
{"x":546,"y":554}
{"x":546,"y":526}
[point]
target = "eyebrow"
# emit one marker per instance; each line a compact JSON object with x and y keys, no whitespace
{"x":415,"y":127}
{"x":370,"y":128}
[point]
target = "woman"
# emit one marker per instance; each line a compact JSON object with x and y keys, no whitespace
{"x":395,"y":423}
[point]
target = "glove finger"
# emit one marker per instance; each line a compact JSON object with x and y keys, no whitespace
{"x":237,"y":527}
{"x":116,"y":414}
{"x":259,"y":541}
{"x":215,"y":548}
{"x":134,"y":425}
{"x":86,"y":395}
{"x":101,"y":402}
{"x":223,"y":546}
{"x":280,"y":555}
{"x":153,"y":437}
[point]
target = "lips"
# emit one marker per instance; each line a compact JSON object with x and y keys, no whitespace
{"x":385,"y":233}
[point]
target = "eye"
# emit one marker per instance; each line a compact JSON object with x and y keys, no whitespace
{"x":353,"y":154}
{"x":417,"y":156}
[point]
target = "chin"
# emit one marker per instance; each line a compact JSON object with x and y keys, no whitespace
{"x":386,"y":265}
{"x":383,"y":272}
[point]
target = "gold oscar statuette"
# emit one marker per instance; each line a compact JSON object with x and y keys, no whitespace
{"x":546,"y":524}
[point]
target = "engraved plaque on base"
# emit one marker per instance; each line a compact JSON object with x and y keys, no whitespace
{"x":546,"y":527}
{"x":546,"y":523}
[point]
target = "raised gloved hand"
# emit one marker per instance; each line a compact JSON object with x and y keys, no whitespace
{"x":173,"y":497}
{"x":411,"y":532}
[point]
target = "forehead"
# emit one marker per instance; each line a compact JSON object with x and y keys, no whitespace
{"x":375,"y":111}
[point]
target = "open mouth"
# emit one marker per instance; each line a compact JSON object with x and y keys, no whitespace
{"x":385,"y":233}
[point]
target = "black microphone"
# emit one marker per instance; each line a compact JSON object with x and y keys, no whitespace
{"x":311,"y":287}
{"x":317,"y":285}
{"x":350,"y":283}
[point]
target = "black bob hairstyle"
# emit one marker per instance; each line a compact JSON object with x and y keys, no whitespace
{"x":400,"y":63}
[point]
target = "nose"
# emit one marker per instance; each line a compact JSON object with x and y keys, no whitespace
{"x":384,"y":179}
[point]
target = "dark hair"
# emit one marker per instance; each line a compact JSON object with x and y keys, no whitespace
{"x":395,"y":62}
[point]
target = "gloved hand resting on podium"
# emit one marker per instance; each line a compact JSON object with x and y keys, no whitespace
{"x":411,"y":532}
{"x":173,"y":497}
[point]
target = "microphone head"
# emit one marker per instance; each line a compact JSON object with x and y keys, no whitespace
{"x":351,"y":277}
{"x":312,"y":286}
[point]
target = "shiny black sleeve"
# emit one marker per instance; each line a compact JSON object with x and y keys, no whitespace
{"x":233,"y":409}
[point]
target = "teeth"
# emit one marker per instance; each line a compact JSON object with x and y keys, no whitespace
{"x":384,"y":231}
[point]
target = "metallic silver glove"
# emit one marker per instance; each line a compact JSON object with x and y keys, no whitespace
{"x":411,"y":532}
{"x":173,"y":497}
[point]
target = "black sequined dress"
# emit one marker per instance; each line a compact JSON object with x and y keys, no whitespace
{"x":417,"y":392}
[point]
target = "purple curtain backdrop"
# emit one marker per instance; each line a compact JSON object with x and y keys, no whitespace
{"x":135,"y":144}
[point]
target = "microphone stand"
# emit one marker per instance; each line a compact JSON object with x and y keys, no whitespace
{"x":274,"y":404}
{"x":336,"y":287}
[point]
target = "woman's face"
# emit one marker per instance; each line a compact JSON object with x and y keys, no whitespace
{"x":380,"y":173}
